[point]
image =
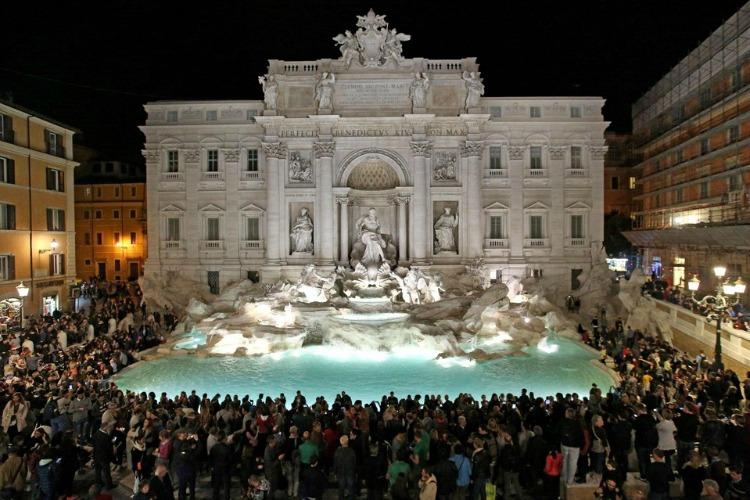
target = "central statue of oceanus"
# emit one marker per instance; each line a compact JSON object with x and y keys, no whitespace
{"x":371,"y":248}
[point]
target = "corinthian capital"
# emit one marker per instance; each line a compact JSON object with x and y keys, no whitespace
{"x":324,"y":149}
{"x":420,"y":148}
{"x":274,"y":149}
{"x":471,"y":148}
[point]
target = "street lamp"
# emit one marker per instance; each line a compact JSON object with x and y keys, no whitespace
{"x":23,"y":292}
{"x":52,"y":247}
{"x":718,"y":303}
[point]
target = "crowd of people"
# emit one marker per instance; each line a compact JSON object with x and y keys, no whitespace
{"x":681,"y":418}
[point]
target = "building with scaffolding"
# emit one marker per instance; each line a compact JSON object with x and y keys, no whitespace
{"x":692,"y":130}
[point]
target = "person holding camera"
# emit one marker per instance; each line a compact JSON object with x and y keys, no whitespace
{"x":185,"y":456}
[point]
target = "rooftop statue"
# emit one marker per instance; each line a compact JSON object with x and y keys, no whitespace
{"x":373,"y":45}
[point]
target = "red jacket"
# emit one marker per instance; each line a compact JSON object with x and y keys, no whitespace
{"x":553,"y":464}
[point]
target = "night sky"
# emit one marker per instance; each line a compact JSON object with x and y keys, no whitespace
{"x":93,"y":64}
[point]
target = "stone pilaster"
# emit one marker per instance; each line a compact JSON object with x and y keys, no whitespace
{"x":472,"y":151}
{"x":402,"y":202}
{"x":191,"y":222}
{"x":516,"y":235}
{"x":343,"y":204}
{"x":153,"y":178}
{"x":420,"y":149}
{"x":556,"y":221}
{"x":323,"y":152}
{"x":231,"y":223}
{"x":273,"y":152}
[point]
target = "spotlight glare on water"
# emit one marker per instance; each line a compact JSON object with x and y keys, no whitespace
{"x":545,"y":346}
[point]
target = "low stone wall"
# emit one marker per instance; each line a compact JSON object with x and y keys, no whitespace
{"x":735,"y":344}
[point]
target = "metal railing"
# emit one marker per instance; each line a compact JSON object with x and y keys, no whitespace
{"x":491,"y":243}
{"x":536,"y":242}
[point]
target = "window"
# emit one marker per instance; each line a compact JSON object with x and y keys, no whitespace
{"x":171,"y":116}
{"x":704,"y":190}
{"x":614,"y":182}
{"x":213,"y":281}
{"x":496,"y":111}
{"x":56,"y":264}
{"x":678,"y":156}
{"x":535,"y":227}
{"x":133,"y":191}
{"x":496,"y":157}
{"x":252,"y":229}
{"x":133,"y":214}
{"x":734,"y":182}
{"x":173,"y":229}
{"x":252,"y":160}
{"x":117,"y":191}
{"x":535,"y":112}
{"x":99,"y":239}
{"x":115,"y":214}
{"x":536,"y":156}
{"x":87,"y":238}
{"x":705,"y":98}
{"x":677,"y":195}
{"x":6,"y":128}
{"x":55,"y":219}
{"x":87,"y":262}
{"x":98,"y":192}
{"x":211,"y":115}
{"x":116,"y":238}
{"x":576,"y":226}
{"x":7,"y":170}
{"x":735,"y":79}
{"x":575,"y":157}
{"x":117,"y":264}
{"x":7,"y":267}
{"x":7,"y":216}
{"x":55,"y":180}
{"x":97,"y":214}
{"x":86,"y":214}
{"x":132,"y":238}
{"x":537,"y":273}
{"x":496,"y":227}
{"x":213,"y":160}
{"x":109,"y":167}
{"x":53,"y":142}
{"x":631,"y":182}
{"x":733,"y":134}
{"x":173,"y":161}
{"x":678,"y":113}
{"x":574,"y":283}
{"x":97,"y":168}
{"x":575,"y":111}
{"x":212,"y":228}
{"x":705,"y":148}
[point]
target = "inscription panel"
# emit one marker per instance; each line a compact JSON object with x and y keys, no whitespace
{"x":389,"y":93}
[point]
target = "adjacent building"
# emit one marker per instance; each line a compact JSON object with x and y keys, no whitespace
{"x":110,"y":208}
{"x":451,"y":175}
{"x":37,"y":237}
{"x":693,"y":132}
{"x":619,"y":174}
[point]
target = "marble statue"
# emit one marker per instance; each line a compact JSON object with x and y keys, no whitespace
{"x":474,"y":89}
{"x":324,"y":90}
{"x":368,"y":228}
{"x":373,"y":45}
{"x":270,"y":90}
{"x":418,"y":90}
{"x":444,"y":226}
{"x":302,"y":233}
{"x":300,"y":169}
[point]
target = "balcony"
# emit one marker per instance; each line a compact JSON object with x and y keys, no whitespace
{"x":252,"y":244}
{"x":212,"y":245}
{"x":251,"y":175}
{"x":576,"y":242}
{"x":536,"y":172}
{"x":171,"y":244}
{"x":576,"y":172}
{"x":172,"y":176}
{"x":495,"y":173}
{"x":494,"y":243}
{"x":213,"y":176}
{"x":536,"y":243}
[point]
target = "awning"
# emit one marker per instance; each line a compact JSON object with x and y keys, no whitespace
{"x":707,"y":236}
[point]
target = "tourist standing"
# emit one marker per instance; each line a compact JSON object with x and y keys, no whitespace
{"x":345,"y":468}
{"x":571,"y":440}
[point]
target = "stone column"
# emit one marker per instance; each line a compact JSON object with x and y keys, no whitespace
{"x":191,"y":221}
{"x":420,"y":149}
{"x":232,"y":224}
{"x":153,"y":175}
{"x":343,"y":229}
{"x":472,"y":151}
{"x":515,"y":218}
{"x":273,"y":151}
{"x":557,"y":222}
{"x":323,"y":151}
{"x":402,"y":207}
{"x":596,"y":217}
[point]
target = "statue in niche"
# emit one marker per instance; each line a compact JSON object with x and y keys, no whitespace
{"x":349,"y":47}
{"x":300,"y":169}
{"x":270,"y":90}
{"x":444,"y":229}
{"x":368,"y":229}
{"x":302,"y":233}
{"x":418,"y":90}
{"x":324,"y":91}
{"x":474,"y":89}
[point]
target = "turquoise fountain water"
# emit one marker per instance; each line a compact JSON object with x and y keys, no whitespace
{"x":368,"y":374}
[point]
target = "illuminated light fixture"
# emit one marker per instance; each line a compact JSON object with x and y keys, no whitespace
{"x":23,"y":290}
{"x":727,"y":288}
{"x":739,"y":286}
{"x":52,"y":247}
{"x":720,"y":271}
{"x":526,"y":319}
{"x":694,"y":283}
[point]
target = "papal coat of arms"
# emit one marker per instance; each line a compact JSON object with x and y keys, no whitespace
{"x":373,"y":45}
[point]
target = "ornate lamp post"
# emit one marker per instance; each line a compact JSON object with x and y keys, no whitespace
{"x":718,"y":303}
{"x":23,"y":292}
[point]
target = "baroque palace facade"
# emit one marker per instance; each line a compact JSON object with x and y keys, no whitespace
{"x":260,"y":189}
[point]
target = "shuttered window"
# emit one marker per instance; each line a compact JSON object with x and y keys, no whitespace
{"x":7,"y":170}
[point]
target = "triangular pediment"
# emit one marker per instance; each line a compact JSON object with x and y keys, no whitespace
{"x":251,"y":207}
{"x":497,"y":206}
{"x":578,"y":205}
{"x":210,"y":208}
{"x":172,"y":208}
{"x":537,"y":205}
